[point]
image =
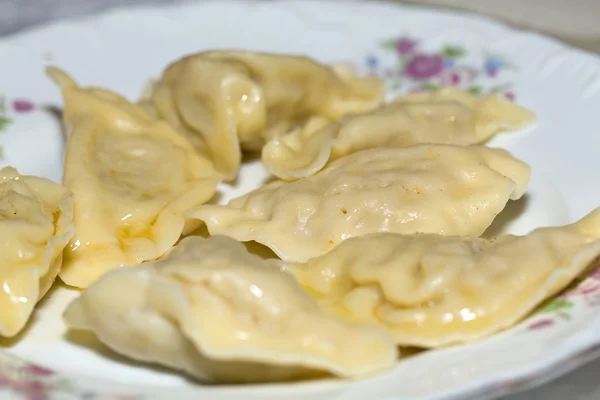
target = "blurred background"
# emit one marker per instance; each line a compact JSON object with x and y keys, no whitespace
{"x":573,"y":21}
{"x":576,"y":22}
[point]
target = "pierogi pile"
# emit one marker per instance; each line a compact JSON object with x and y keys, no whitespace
{"x":374,"y":217}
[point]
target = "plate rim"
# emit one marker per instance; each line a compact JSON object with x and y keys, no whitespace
{"x":577,"y":355}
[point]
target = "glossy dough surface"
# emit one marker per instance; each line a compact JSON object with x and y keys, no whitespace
{"x":432,"y":290}
{"x":448,"y":116}
{"x":133,"y":177}
{"x":35,"y":226}
{"x":219,"y":313}
{"x":491,"y":114}
{"x":230,"y":101}
{"x":450,"y":190}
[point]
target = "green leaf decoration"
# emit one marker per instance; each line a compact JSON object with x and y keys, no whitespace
{"x":564,"y":315}
{"x":475,"y":90}
{"x":4,"y":122}
{"x":555,"y":305}
{"x":429,"y":86}
{"x":389,"y":44}
{"x":453,"y":52}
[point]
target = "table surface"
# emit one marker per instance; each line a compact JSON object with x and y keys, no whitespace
{"x":573,"y":21}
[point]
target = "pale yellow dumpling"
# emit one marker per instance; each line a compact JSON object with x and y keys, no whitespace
{"x":36,"y":223}
{"x":229,"y":101}
{"x":431,"y":290}
{"x":450,"y":190}
{"x":133,"y":176}
{"x":492,"y":113}
{"x":446,"y":117}
{"x":213,"y":310}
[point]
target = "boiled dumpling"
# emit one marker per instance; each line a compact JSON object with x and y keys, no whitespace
{"x":133,"y":177}
{"x":447,"y":117}
{"x":492,"y":113}
{"x":450,"y":190}
{"x":219,"y":313}
{"x":432,"y":290}
{"x":36,"y":223}
{"x":231,"y":101}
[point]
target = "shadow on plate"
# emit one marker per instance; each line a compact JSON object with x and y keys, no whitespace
{"x":251,"y":156}
{"x":269,"y":179}
{"x":57,"y":113}
{"x":57,"y":285}
{"x":12,"y":341}
{"x":6,"y":343}
{"x":89,"y":341}
{"x":512,"y":211}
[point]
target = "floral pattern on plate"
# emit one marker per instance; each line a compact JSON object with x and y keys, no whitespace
{"x":407,"y":67}
{"x":5,"y":120}
{"x":27,"y":381}
{"x":585,"y":292}
{"x":18,"y":106}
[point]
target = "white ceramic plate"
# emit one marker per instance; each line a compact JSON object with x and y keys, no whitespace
{"x":412,"y":48}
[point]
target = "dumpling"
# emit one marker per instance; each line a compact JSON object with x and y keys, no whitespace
{"x":213,"y":310}
{"x":445,"y":189}
{"x":447,"y":117}
{"x":231,"y":101}
{"x":492,"y":113}
{"x":432,"y":290}
{"x":133,"y":177}
{"x":36,"y":223}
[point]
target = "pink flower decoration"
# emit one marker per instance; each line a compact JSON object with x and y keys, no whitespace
{"x":541,"y":324}
{"x":585,"y":288}
{"x":588,"y":290}
{"x":455,"y":79}
{"x":405,"y":46}
{"x":450,"y":78}
{"x":33,"y":390}
{"x":424,"y":66}
{"x":22,"y":106}
{"x":510,"y":96}
{"x":37,"y":370}
{"x":459,"y":76}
